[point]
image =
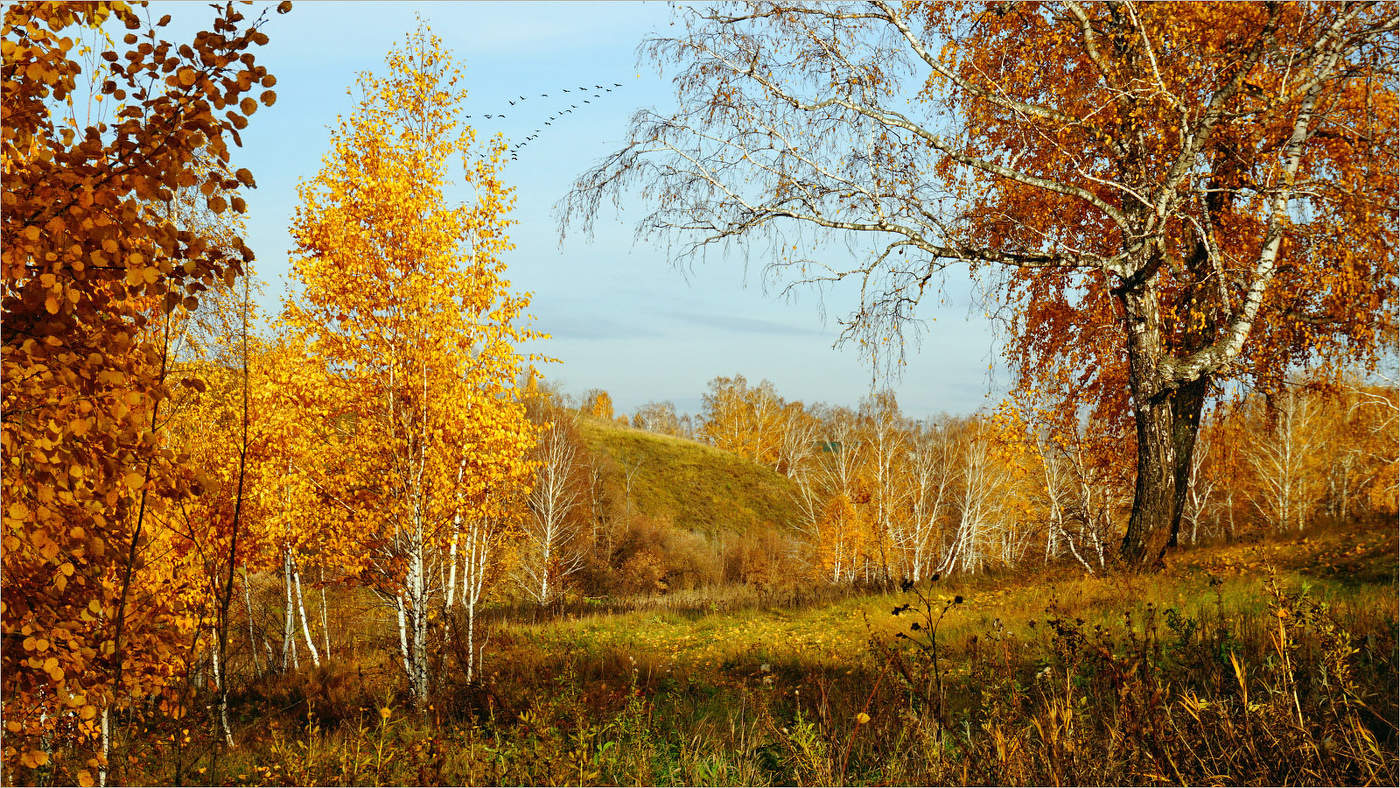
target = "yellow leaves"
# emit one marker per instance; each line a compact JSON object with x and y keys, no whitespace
{"x":137,"y":276}
{"x":134,"y":480}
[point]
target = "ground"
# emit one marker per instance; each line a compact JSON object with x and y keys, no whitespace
{"x":1265,"y":661}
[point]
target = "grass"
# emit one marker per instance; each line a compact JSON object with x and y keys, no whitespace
{"x":699,"y":488}
{"x":1347,"y":569}
{"x":1267,"y":662}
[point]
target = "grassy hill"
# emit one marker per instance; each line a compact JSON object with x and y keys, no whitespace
{"x":700,"y":488}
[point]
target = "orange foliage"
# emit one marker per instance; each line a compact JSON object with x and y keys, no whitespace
{"x":90,"y":255}
{"x":405,"y":306}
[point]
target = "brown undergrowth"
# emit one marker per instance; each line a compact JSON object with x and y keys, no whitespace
{"x":1241,"y":664}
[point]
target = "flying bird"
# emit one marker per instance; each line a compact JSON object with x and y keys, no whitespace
{"x":488,"y":117}
{"x":512,"y":103}
{"x":617,"y":84}
{"x":600,"y":87}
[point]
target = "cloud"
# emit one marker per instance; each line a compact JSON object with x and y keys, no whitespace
{"x":567,"y":327}
{"x":744,"y":325}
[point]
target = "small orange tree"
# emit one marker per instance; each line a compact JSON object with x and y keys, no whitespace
{"x":404,"y":301}
{"x":89,"y":254}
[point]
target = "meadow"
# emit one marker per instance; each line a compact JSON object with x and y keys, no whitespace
{"x":1269,"y":661}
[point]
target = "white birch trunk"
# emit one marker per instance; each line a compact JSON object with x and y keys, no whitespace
{"x":223,"y":699}
{"x":305,"y":625}
{"x":289,"y":638}
{"x":252,"y":638}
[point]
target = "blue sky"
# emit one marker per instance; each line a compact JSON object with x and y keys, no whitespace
{"x":620,"y":317}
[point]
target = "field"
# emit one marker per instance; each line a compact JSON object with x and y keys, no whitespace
{"x":1265,"y":662}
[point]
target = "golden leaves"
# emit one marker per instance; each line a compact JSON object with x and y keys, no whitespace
{"x":91,"y":256}
{"x":394,"y":284}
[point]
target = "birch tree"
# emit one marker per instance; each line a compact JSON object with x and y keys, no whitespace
{"x":932,"y":473}
{"x":549,"y":549}
{"x":1162,"y":196}
{"x":1284,"y":458}
{"x":403,"y":299}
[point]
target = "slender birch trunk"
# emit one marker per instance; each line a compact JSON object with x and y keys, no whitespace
{"x":305,"y":625}
{"x":223,"y":700}
{"x":289,"y":637}
{"x":325,"y":627}
{"x":252,"y":638}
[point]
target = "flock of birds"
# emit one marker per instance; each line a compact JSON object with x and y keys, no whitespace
{"x":597,"y":91}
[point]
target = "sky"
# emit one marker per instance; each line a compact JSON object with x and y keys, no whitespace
{"x":620,"y":317}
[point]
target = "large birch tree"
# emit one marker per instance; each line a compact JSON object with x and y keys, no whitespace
{"x":1163,"y":195}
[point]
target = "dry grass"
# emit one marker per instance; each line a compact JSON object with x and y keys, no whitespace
{"x":697,"y":487}
{"x":1272,"y":662}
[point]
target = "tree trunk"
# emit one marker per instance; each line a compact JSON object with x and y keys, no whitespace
{"x":252,"y":636}
{"x":106,"y":748}
{"x":403,"y":639}
{"x":223,"y":700}
{"x":1154,"y":495}
{"x":289,"y":637}
{"x":1187,"y":403}
{"x":305,"y":624}
{"x":1167,"y":421}
{"x":1154,"y":492}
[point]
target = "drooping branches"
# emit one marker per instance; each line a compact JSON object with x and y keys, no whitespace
{"x":1159,"y":195}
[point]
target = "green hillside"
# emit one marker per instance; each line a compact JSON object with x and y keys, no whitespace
{"x":700,"y":488}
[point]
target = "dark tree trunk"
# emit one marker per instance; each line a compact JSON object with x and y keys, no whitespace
{"x":1187,"y":402}
{"x":1167,"y":420}
{"x":1155,"y":494}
